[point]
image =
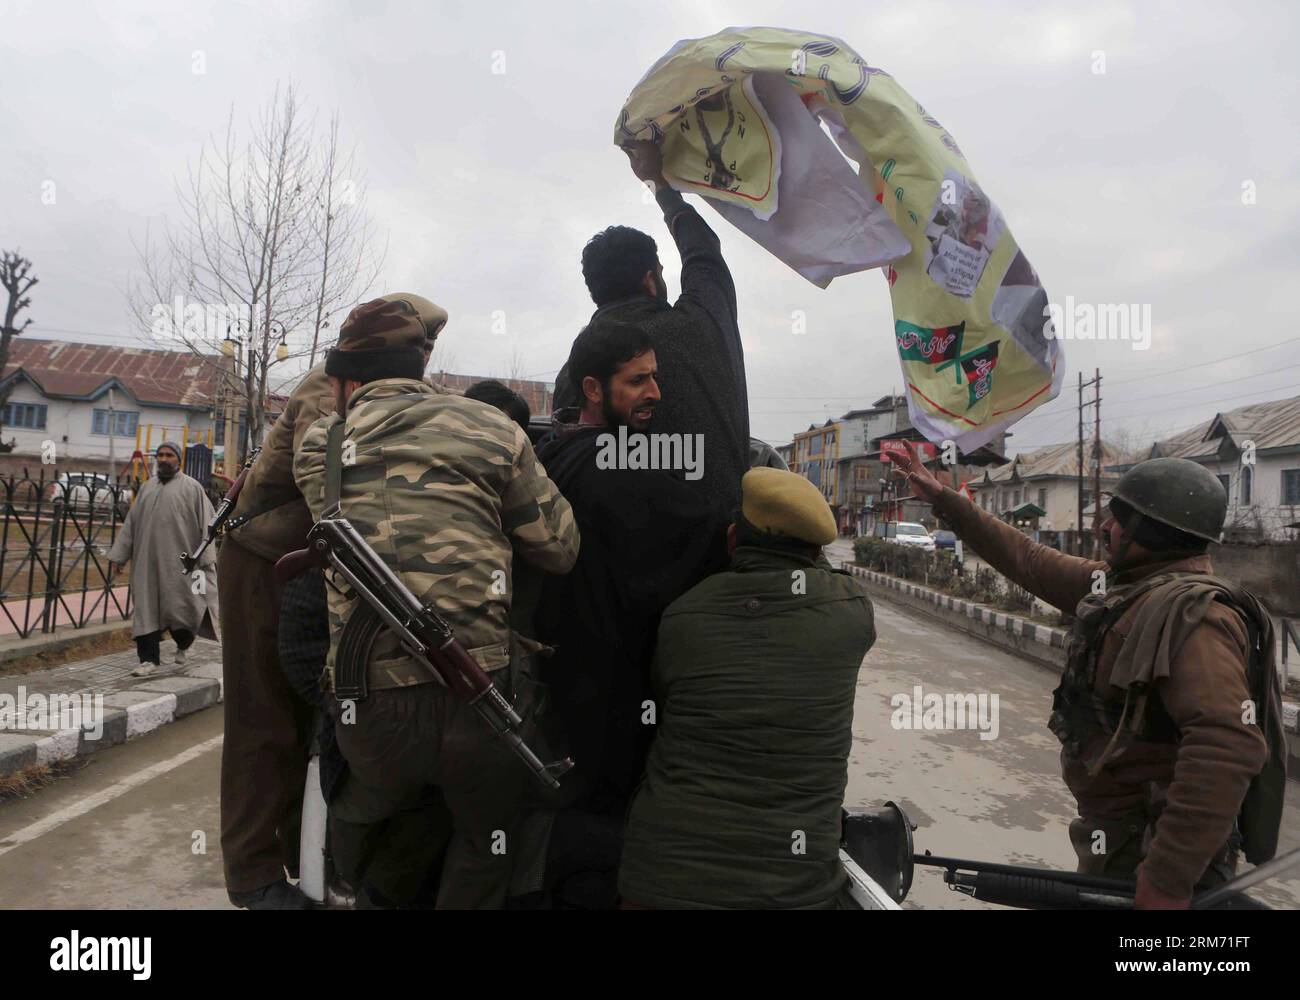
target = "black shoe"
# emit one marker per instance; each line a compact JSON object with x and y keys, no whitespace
{"x":276,"y":896}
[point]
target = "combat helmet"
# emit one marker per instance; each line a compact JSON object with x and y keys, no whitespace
{"x":1178,"y":493}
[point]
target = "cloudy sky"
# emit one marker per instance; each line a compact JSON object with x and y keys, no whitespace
{"x":1122,"y":187}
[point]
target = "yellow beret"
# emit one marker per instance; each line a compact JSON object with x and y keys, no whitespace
{"x":434,"y":317}
{"x":787,"y":504}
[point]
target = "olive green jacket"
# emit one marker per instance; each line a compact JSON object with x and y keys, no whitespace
{"x":754,"y":677}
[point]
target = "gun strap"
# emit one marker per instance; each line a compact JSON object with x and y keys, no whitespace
{"x":238,"y":522}
{"x":334,"y":463}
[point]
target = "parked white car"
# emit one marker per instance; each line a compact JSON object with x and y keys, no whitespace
{"x":81,"y":490}
{"x":911,"y":534}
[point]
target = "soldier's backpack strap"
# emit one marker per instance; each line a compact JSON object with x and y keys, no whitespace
{"x":334,"y":464}
{"x":1260,"y":817}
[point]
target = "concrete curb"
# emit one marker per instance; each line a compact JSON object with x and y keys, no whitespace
{"x":1041,"y":644}
{"x":143,"y":707}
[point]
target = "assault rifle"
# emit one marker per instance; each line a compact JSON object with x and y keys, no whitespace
{"x":1048,"y":889}
{"x":223,"y":511}
{"x":423,"y":633}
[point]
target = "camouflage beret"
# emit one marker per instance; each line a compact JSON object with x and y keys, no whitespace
{"x":785,"y":503}
{"x":379,"y":339}
{"x":434,"y":317}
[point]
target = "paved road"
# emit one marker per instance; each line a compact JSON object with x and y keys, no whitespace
{"x":996,"y":800}
{"x":999,"y":799}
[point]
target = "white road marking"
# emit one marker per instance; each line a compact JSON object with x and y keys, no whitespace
{"x":57,"y":819}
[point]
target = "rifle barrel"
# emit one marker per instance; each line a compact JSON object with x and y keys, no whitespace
{"x":1084,"y":881}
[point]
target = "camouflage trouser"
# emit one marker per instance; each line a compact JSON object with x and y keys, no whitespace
{"x":1116,"y":847}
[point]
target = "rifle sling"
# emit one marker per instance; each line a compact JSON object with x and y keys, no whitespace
{"x":334,"y":463}
{"x":238,"y":522}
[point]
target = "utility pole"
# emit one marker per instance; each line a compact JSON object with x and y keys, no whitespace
{"x":1096,"y":458}
{"x":1079,"y":498}
{"x":112,"y":431}
{"x":1096,"y":466}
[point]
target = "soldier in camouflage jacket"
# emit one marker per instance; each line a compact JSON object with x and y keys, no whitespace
{"x":440,"y":486}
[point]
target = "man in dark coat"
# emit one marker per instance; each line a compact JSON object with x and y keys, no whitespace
{"x":648,"y":535}
{"x":754,"y":675}
{"x":701,"y":362}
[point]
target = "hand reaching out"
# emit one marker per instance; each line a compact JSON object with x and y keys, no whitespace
{"x":909,"y":467}
{"x":647,"y":161}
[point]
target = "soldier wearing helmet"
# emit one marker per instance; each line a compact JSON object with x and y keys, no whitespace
{"x":1168,"y":710}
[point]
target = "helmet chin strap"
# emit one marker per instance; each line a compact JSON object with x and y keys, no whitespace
{"x":1127,"y":532}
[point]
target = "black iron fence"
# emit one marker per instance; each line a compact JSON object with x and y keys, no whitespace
{"x":55,"y":535}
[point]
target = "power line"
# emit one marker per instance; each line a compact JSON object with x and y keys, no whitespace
{"x":1202,"y":364}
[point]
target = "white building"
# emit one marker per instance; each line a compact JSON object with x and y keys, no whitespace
{"x":1255,"y":452}
{"x":1039,"y":490}
{"x":94,"y":405}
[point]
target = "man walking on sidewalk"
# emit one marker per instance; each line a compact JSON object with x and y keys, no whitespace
{"x":168,"y":518}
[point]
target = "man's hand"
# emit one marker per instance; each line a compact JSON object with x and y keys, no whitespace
{"x":909,"y":467}
{"x":1148,"y":897}
{"x":647,"y":163}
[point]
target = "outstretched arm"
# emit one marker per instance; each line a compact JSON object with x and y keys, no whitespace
{"x":706,"y":278}
{"x":1061,"y":580}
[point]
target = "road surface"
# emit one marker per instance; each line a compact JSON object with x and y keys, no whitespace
{"x":137,"y":827}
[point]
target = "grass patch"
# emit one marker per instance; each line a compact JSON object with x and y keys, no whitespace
{"x":30,"y":780}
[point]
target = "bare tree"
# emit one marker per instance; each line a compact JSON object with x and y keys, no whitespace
{"x":515,"y":368}
{"x":270,"y":239}
{"x":343,"y":233}
{"x":443,"y":359}
{"x":17,"y":282}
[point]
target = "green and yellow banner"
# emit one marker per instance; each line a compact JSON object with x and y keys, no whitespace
{"x":739,"y":116}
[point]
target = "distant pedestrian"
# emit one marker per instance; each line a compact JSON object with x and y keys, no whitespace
{"x":168,"y":518}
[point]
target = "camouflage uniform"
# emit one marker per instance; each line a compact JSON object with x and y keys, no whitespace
{"x":440,"y":486}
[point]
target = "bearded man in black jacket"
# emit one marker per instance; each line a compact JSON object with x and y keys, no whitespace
{"x":701,"y":361}
{"x":648,"y":536}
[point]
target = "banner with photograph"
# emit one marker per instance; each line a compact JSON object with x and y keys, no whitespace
{"x":743,"y":116}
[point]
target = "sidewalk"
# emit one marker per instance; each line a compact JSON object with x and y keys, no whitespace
{"x":113,"y":705}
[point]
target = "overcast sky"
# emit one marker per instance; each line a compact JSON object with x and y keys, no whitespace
{"x":1122,"y":187}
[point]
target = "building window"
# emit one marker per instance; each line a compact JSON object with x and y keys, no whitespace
{"x":1245,"y":485}
{"x":124,"y":423}
{"x":29,"y":416}
{"x":1042,"y":499}
{"x":1226,"y":484}
{"x":1291,"y":487}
